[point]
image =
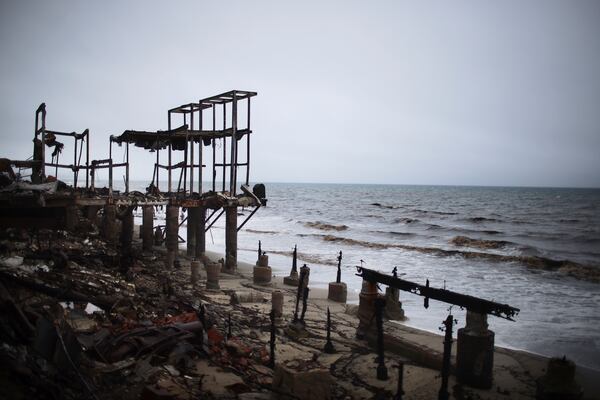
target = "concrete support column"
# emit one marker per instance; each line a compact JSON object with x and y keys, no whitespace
{"x":91,"y":214}
{"x":230,"y":239}
{"x":262,"y":272}
{"x":475,"y":352}
{"x":200,"y":232}
{"x":172,"y":230}
{"x":109,"y":224}
{"x":71,"y":217}
{"x":393,"y":305}
{"x":147,"y":227}
{"x":277,"y":303}
{"x":366,"y":309}
{"x":126,"y":231}
{"x":192,"y":226}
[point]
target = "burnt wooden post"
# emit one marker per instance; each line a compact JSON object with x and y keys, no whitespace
{"x":382,"y":374}
{"x":329,"y":349}
{"x":448,"y":323}
{"x":400,"y":391}
{"x":272,"y":340}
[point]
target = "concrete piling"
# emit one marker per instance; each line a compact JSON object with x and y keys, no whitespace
{"x":475,"y":352}
{"x":230,"y":238}
{"x":109,"y":224}
{"x":147,"y":228}
{"x":277,"y":303}
{"x":200,"y":232}
{"x":191,"y":231}
{"x":213,"y":271}
{"x":337,"y":292}
{"x":172,"y":228}
{"x":195,"y":271}
{"x":366,"y":308}
{"x":262,"y":272}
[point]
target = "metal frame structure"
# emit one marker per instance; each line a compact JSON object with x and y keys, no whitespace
{"x":42,"y":134}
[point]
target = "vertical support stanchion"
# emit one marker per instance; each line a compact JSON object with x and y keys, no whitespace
{"x":272,"y":340}
{"x":443,"y":393}
{"x":400,"y":391}
{"x":200,"y":232}
{"x":147,"y":227}
{"x":329,"y":349}
{"x":230,"y":238}
{"x":382,"y":374}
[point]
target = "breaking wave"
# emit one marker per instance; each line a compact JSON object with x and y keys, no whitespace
{"x":571,"y":268}
{"x":261,"y":232}
{"x":309,"y":258}
{"x":325,"y":227}
{"x":464,"y":241}
{"x":385,"y":206}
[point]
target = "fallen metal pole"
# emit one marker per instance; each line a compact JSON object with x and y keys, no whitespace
{"x":471,"y":303}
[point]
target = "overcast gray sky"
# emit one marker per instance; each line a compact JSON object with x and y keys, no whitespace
{"x":420,"y":92}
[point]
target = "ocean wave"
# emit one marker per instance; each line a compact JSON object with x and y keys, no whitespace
{"x":309,"y":258}
{"x":406,"y":220}
{"x":324,"y":226}
{"x":384,"y":206}
{"x":434,"y":212}
{"x":482,"y":219}
{"x":261,"y":232}
{"x":464,"y":241}
{"x":588,"y":273}
{"x":395,"y":233}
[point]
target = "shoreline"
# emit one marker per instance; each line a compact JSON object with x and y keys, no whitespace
{"x":150,"y":299}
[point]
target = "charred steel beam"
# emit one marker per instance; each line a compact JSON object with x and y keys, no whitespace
{"x":471,"y":303}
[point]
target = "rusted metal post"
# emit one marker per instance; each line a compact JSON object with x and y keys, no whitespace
{"x":299,"y":293}
{"x":443,"y":393}
{"x":127,"y":168}
{"x":248,"y":146}
{"x":272,"y":340}
{"x":382,"y":373}
{"x":87,"y":158}
{"x":214,"y":150}
{"x":169,"y":169}
{"x":400,"y":390}
{"x":75,"y":164}
{"x":230,"y":238}
{"x":259,"y":251}
{"x":229,"y":326}
{"x":233,"y":167}
{"x":338,"y":278}
{"x":304,"y":304}
{"x":329,"y":349}
{"x":147,"y":227}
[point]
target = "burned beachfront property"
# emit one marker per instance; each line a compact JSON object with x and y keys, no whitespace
{"x":215,"y":129}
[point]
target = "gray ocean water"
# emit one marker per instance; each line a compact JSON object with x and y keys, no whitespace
{"x":511,"y":245}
